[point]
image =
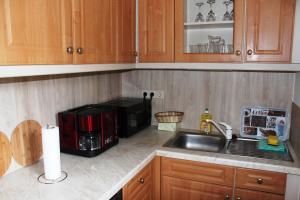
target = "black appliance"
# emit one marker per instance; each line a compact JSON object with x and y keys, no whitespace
{"x":88,"y":130}
{"x":134,"y":114}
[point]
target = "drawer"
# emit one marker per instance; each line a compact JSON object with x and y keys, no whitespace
{"x":242,"y":194}
{"x":181,"y":189}
{"x":140,"y":186}
{"x":197,"y":171}
{"x":261,"y":180}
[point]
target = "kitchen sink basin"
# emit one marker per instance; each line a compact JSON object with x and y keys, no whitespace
{"x":201,"y":142}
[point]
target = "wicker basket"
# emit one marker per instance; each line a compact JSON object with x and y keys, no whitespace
{"x":169,"y":117}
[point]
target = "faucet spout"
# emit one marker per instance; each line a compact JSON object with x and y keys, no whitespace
{"x":228,"y":129}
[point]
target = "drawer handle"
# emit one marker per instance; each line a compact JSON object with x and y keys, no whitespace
{"x":239,"y":198}
{"x":260,"y":181}
{"x":227,"y":197}
{"x":142,"y":180}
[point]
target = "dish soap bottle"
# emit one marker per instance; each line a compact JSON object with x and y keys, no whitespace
{"x":204,"y":126}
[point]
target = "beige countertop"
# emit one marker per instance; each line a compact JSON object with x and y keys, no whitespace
{"x":99,"y":178}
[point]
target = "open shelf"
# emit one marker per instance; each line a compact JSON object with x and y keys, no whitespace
{"x":209,"y":25}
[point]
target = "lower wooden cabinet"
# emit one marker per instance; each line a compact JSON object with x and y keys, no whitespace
{"x":242,"y":194}
{"x":146,"y":184}
{"x":176,"y":179}
{"x":179,"y":189}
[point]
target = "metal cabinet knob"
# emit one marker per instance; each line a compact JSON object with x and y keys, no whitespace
{"x":260,"y":181}
{"x":70,"y":50}
{"x":239,"y":198}
{"x":142,"y":180}
{"x":250,"y":52}
{"x":238,"y":52}
{"x":227,"y":197}
{"x":80,"y":50}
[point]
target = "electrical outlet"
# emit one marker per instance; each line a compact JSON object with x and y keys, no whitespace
{"x":158,"y":94}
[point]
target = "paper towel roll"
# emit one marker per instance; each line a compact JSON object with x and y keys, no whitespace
{"x":51,"y":152}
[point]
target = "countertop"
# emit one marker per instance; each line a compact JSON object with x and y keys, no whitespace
{"x":99,"y":178}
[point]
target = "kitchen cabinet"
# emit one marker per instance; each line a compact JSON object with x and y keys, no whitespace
{"x":269,"y":30}
{"x":156,"y":30}
{"x":251,"y":195}
{"x":206,"y":40}
{"x":260,"y":180}
{"x":67,"y":31}
{"x":265,"y":26}
{"x":95,"y":31}
{"x":146,"y":184}
{"x":178,"y":189}
{"x":126,"y":31}
{"x":35,"y":32}
{"x":182,"y":179}
{"x":191,"y":180}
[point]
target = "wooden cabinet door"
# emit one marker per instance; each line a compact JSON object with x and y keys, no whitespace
{"x":35,"y":32}
{"x":156,"y":30}
{"x":178,"y":189}
{"x":126,"y":31}
{"x":146,"y":184}
{"x":181,"y":54}
{"x":269,"y":30}
{"x":95,"y":31}
{"x":241,"y":194}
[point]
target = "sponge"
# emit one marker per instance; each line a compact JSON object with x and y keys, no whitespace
{"x":273,"y":140}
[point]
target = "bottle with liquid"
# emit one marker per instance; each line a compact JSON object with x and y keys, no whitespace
{"x":204,"y":126}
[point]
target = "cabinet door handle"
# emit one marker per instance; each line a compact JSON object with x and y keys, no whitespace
{"x":239,"y":198}
{"x":142,"y":180}
{"x":260,"y":181}
{"x":227,"y":197}
{"x":70,"y":50}
{"x":250,"y":52}
{"x":80,"y":50}
{"x":238,"y":52}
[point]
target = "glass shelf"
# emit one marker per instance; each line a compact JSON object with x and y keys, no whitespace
{"x":208,"y":25}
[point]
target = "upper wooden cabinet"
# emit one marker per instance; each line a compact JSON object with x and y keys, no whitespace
{"x":95,"y":25}
{"x":242,"y":31}
{"x":67,"y":31}
{"x":156,"y":30}
{"x":269,"y":30}
{"x":126,"y":31}
{"x":35,"y":32}
{"x":209,"y":38}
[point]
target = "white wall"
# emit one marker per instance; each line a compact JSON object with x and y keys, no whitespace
{"x":296,"y":45}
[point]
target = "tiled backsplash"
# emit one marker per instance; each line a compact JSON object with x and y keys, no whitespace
{"x":224,"y":93}
{"x":41,"y":98}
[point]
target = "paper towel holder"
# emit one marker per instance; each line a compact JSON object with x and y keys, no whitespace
{"x":42,"y":179}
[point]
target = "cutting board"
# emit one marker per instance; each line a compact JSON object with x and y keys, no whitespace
{"x":5,"y":153}
{"x":26,"y":142}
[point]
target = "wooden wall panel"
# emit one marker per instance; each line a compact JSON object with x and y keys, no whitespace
{"x":42,"y":98}
{"x":224,"y":93}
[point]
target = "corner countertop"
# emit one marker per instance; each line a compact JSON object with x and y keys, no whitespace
{"x":99,"y":178}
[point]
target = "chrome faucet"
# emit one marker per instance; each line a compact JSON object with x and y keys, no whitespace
{"x":228,"y":129}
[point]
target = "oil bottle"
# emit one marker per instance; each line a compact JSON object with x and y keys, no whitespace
{"x":204,"y":126}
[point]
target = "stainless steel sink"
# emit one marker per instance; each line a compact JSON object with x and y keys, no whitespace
{"x":201,"y":142}
{"x":218,"y":144}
